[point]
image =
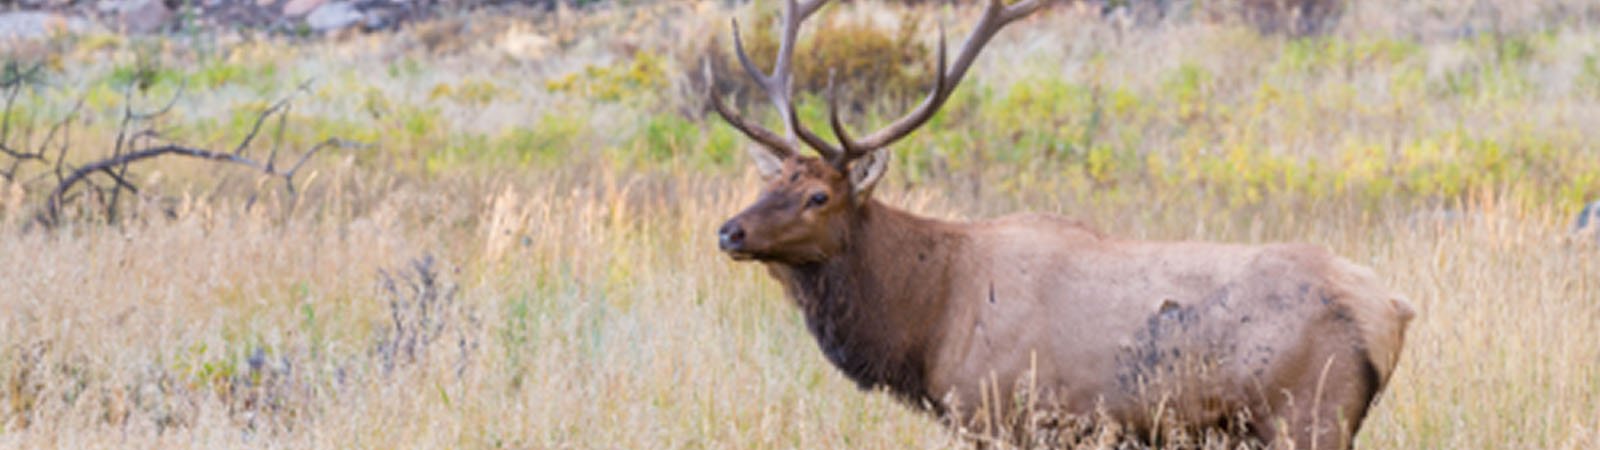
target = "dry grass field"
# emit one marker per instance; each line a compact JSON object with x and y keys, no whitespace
{"x":521,"y":254}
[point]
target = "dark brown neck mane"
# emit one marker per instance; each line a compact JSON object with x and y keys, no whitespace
{"x":875,"y":308}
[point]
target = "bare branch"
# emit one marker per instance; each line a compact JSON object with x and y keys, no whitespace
{"x":283,"y":119}
{"x":338,"y":143}
{"x":122,"y":182}
{"x":164,"y":109}
{"x":15,"y":79}
{"x":122,"y":143}
{"x":56,"y":196}
{"x":130,"y":148}
{"x":5,"y":118}
{"x":256,"y":129}
{"x":13,"y":85}
{"x":59,"y":126}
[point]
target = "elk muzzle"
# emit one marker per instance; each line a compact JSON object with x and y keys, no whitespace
{"x":730,"y":237}
{"x":734,"y":240}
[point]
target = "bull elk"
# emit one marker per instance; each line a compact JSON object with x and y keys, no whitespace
{"x":1288,"y":339}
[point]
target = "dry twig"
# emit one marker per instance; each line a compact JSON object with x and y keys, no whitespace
{"x":127,"y":151}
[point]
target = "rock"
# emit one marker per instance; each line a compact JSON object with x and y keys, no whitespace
{"x":40,"y":4}
{"x":333,"y":16}
{"x":144,"y":16}
{"x":377,"y":22}
{"x":37,"y":24}
{"x":297,"y":8}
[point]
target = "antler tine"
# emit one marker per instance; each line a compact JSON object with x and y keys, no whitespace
{"x":749,"y":66}
{"x":793,"y":15}
{"x":778,"y":86}
{"x":808,"y":7}
{"x":762,"y":135}
{"x":849,"y":148}
{"x":852,"y":148}
{"x":829,"y":152}
{"x":995,"y":16}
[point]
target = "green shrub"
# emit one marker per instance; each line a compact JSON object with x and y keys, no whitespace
{"x":471,"y":92}
{"x":642,"y":77}
{"x":1190,"y":88}
{"x":553,"y":138}
{"x":1046,"y":113}
{"x":667,"y":136}
{"x":218,"y":73}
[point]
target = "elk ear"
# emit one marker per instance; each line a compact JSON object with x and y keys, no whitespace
{"x":866,"y":171}
{"x":769,"y":163}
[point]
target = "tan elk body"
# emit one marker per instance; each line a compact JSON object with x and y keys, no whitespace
{"x":1291,"y":340}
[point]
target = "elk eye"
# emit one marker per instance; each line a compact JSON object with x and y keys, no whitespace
{"x":817,"y":199}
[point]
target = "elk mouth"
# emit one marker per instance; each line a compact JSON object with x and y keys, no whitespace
{"x":739,"y":255}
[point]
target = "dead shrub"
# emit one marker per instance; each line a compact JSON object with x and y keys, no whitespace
{"x":423,"y":309}
{"x":870,"y":64}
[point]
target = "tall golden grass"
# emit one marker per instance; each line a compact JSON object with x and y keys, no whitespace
{"x":583,"y":304}
{"x":601,"y":316}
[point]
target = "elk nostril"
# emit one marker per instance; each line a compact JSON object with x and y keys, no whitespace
{"x":730,"y":236}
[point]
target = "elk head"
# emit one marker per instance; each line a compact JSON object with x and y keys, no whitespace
{"x":806,"y":211}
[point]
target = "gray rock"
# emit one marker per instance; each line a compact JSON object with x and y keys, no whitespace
{"x":119,"y":6}
{"x":378,"y":20}
{"x":333,"y":16}
{"x":44,"y":4}
{"x":145,"y":16}
{"x":37,"y":24}
{"x":295,"y":8}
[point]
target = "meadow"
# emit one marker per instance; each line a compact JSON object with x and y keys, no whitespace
{"x":520,"y":252}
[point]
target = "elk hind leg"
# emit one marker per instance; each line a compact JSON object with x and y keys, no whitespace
{"x":1325,"y":407}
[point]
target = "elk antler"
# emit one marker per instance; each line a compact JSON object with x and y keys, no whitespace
{"x":779,"y":86}
{"x":995,"y":17}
